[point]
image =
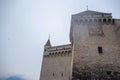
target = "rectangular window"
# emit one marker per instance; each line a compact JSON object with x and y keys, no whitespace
{"x":100,"y":50}
{"x":62,"y":74}
{"x":53,"y":74}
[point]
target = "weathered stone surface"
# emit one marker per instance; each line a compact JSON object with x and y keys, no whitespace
{"x":56,"y":63}
{"x":89,"y":63}
{"x":94,"y":52}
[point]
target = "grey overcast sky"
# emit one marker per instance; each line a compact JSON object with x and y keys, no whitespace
{"x":26,"y":24}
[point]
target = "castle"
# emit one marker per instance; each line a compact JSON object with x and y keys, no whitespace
{"x":94,"y":52}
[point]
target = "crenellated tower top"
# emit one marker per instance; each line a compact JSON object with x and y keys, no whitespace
{"x":89,"y":17}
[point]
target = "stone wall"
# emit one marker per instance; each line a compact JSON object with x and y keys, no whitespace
{"x":57,"y":64}
{"x":90,"y":63}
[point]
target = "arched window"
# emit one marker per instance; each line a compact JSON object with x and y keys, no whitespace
{"x":65,"y":51}
{"x":58,"y":52}
{"x":53,"y":53}
{"x":104,"y":20}
{"x":109,"y":20}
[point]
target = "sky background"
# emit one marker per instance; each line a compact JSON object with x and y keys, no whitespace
{"x":25,"y":26}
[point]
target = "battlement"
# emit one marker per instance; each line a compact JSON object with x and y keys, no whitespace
{"x":61,"y":50}
{"x":93,"y":20}
{"x":89,"y":17}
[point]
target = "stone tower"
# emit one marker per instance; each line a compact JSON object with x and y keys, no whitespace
{"x":96,"y":46}
{"x":94,"y":52}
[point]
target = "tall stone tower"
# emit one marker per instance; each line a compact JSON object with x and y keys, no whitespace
{"x":96,"y":46}
{"x":94,"y":52}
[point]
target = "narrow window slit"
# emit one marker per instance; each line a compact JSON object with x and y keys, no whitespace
{"x":100,"y":50}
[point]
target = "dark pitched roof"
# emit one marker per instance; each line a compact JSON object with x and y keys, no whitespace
{"x":48,"y":43}
{"x":90,"y":12}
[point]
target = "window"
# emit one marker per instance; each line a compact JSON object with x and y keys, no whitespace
{"x":69,"y":51}
{"x":58,"y":52}
{"x":109,"y":20}
{"x":53,"y":74}
{"x":104,"y":20}
{"x":65,"y":51}
{"x":62,"y":74}
{"x":52,"y":53}
{"x":45,"y":50}
{"x":109,"y":72}
{"x":113,"y":21}
{"x":100,"y":50}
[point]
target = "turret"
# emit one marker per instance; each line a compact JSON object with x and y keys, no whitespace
{"x":47,"y":46}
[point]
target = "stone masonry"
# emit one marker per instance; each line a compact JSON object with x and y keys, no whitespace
{"x":56,"y":62}
{"x":94,"y":52}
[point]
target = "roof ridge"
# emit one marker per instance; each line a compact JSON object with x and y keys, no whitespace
{"x":90,"y":12}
